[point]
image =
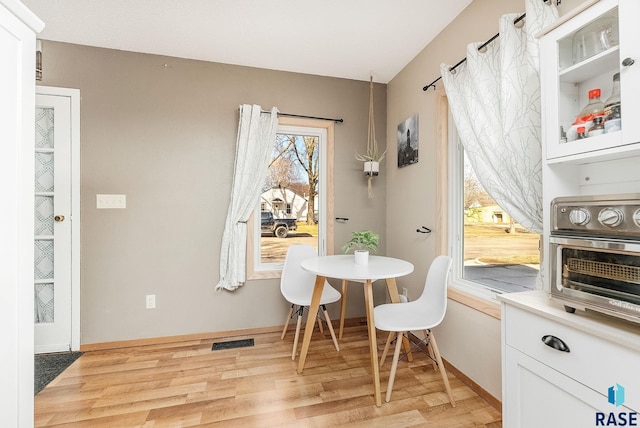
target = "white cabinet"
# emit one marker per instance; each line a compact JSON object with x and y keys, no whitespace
{"x":544,"y":386}
{"x":602,"y":164}
{"x":539,"y":396}
{"x":547,"y":387}
{"x":568,"y":73}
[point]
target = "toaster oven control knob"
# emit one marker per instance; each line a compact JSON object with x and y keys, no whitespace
{"x":636,"y":217}
{"x":579,"y":216}
{"x":610,"y":217}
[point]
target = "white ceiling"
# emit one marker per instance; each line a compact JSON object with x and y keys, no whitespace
{"x":339,"y":38}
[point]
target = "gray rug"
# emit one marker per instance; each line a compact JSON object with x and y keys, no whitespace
{"x":49,"y":366}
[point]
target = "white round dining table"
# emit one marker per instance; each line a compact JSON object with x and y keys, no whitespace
{"x":344,"y":267}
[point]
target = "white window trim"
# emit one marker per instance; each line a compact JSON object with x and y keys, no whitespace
{"x":456,"y":228}
{"x":488,"y":305}
{"x":299,"y":126}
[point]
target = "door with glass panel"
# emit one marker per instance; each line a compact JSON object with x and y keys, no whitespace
{"x":53,"y":226}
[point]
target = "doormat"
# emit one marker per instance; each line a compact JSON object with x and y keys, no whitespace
{"x":47,"y":367}
{"x":242,"y":343}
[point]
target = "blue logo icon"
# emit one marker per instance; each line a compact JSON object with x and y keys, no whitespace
{"x":616,"y":395}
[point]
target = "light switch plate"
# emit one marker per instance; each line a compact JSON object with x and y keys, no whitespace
{"x":150,"y":301}
{"x":111,"y":201}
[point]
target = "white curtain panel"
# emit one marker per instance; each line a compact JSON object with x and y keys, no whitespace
{"x":494,"y":99}
{"x":256,"y":135}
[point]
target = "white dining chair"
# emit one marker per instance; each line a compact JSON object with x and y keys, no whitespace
{"x":296,"y":286}
{"x":424,"y":314}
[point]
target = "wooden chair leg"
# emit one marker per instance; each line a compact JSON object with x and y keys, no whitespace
{"x":320,"y":326}
{"x":333,"y":334}
{"x":295,"y":338}
{"x":394,"y":366}
{"x":386,"y":347}
{"x":443,"y":372}
{"x":343,"y":306}
{"x":392,"y":288}
{"x":286,"y":322}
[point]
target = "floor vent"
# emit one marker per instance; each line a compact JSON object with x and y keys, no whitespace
{"x":243,"y":343}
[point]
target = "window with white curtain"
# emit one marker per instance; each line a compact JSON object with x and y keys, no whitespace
{"x":494,"y":100}
{"x":492,"y":254}
{"x":296,"y":189}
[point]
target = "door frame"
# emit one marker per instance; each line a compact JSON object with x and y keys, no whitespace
{"x":74,"y":97}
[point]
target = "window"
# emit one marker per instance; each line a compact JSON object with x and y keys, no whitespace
{"x":293,"y":206}
{"x":492,"y":254}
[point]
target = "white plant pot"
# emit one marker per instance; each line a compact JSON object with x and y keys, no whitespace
{"x":361,"y":257}
{"x":371,"y":168}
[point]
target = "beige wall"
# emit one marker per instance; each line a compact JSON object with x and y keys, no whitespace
{"x":162,"y":131}
{"x":469,"y":339}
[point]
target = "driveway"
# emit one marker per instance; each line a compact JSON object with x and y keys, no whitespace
{"x":519,"y":244}
{"x":275,"y":249}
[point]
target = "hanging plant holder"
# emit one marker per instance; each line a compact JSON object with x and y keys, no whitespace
{"x":371,"y":168}
{"x":372,"y":157}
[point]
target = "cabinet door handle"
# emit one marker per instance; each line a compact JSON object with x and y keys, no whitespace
{"x":555,"y":343}
{"x":627,"y":62}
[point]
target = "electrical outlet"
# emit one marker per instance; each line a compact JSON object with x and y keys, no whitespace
{"x":151,"y":301}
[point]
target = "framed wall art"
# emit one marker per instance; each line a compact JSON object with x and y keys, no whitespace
{"x":408,"y":142}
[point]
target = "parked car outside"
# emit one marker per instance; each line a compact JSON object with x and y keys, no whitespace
{"x":278,"y":227}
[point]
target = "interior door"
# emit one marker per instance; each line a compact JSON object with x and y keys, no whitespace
{"x":52,"y":243}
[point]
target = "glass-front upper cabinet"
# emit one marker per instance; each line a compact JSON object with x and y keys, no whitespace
{"x":590,"y":73}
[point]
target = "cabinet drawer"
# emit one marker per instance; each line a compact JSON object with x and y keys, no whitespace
{"x":593,"y":361}
{"x":541,"y":397}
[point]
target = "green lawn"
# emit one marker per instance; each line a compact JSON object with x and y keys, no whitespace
{"x":303,"y":227}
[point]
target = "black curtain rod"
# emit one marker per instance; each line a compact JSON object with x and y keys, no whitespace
{"x":482,"y":46}
{"x":305,"y":117}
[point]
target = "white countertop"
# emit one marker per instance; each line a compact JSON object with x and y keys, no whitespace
{"x":613,"y":329}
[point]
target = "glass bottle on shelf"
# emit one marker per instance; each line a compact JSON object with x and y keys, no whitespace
{"x":594,"y":108}
{"x":597,"y":128}
{"x":572,"y":133}
{"x":582,"y":133}
{"x":612,"y":110}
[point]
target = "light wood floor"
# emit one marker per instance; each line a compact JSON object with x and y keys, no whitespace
{"x":187,"y":384}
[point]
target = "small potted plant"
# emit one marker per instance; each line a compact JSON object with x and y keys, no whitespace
{"x":361,"y":243}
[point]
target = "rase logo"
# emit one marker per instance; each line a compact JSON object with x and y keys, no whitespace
{"x":615,"y":396}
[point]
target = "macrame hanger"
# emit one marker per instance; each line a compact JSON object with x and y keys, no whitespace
{"x":371,"y":158}
{"x":372,"y":144}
